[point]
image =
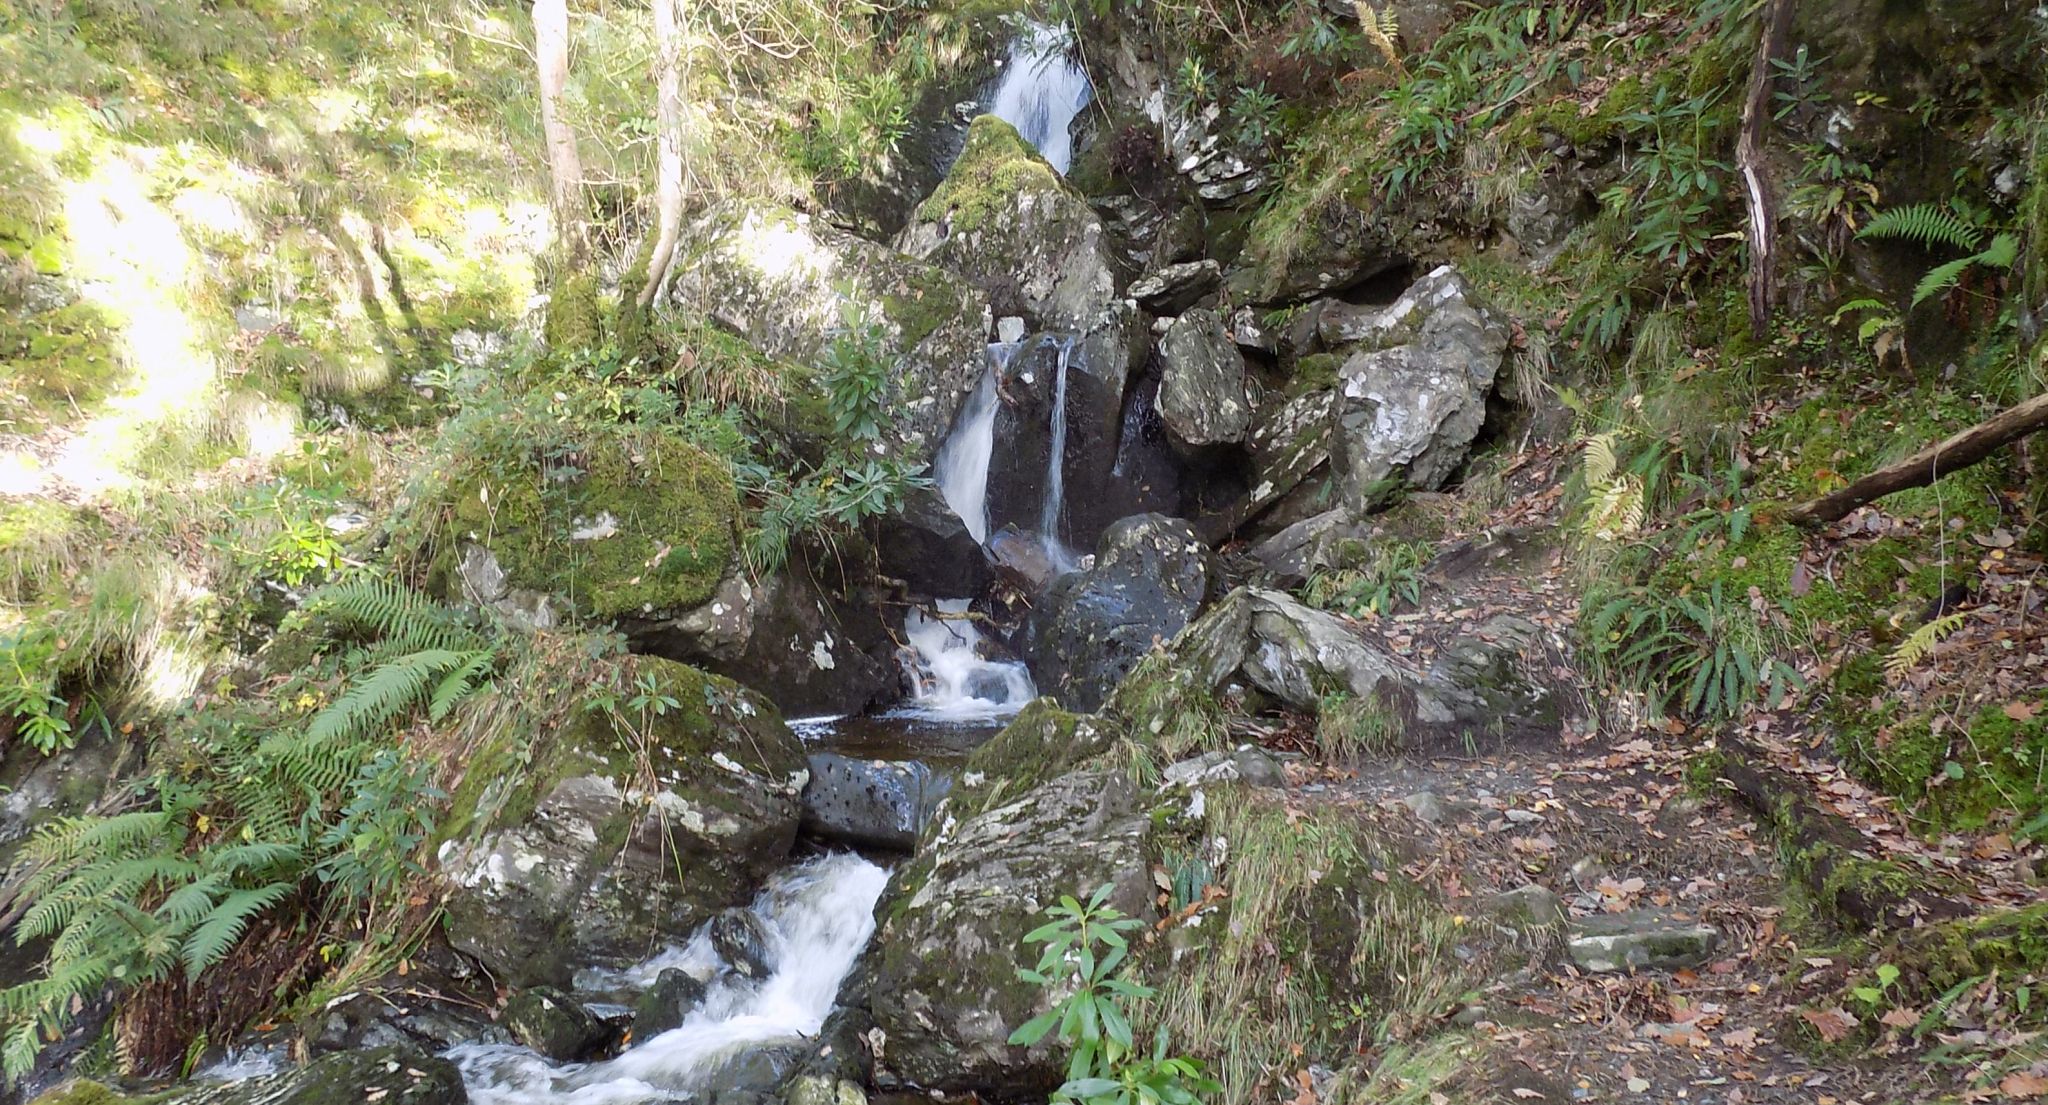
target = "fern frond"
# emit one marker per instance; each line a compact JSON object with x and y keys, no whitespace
{"x":385,"y":694}
{"x":1918,"y":644}
{"x":1600,"y":461}
{"x":1379,"y":28}
{"x":1618,"y":508}
{"x":395,"y":613}
{"x":459,"y":684}
{"x":216,"y":936}
{"x":1940,"y":279}
{"x":255,"y":857}
{"x":1928,"y":224}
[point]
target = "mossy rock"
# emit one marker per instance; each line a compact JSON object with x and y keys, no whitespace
{"x":613,"y":523}
{"x":1040,"y":744}
{"x":995,"y":167}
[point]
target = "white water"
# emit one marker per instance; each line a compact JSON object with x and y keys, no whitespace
{"x":962,"y":464}
{"x":953,"y":681}
{"x":1056,"y":472}
{"x":1041,"y":92}
{"x":817,"y":917}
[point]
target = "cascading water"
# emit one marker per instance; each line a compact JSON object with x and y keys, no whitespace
{"x":962,"y":464}
{"x":1055,"y":471}
{"x":816,"y":918}
{"x":953,"y":680}
{"x":1041,"y":92}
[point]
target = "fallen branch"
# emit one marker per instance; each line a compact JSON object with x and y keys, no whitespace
{"x":1927,"y":465}
{"x":1825,"y":852}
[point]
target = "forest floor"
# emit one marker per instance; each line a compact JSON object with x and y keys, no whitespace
{"x":1617,"y":816}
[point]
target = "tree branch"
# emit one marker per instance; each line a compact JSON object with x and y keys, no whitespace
{"x":1927,"y":465}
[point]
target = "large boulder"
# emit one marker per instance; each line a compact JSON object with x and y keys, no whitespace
{"x":1012,"y":227}
{"x":606,"y":525}
{"x":1202,"y":384}
{"x":870,"y":802}
{"x":1335,"y":246}
{"x":786,"y":283}
{"x":946,"y":993}
{"x":1150,"y":577}
{"x":561,"y":855}
{"x":1412,"y":399}
{"x":393,"y":1075}
{"x":1096,"y":368}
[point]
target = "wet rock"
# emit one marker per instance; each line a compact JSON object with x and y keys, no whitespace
{"x":1640,"y":940}
{"x":552,"y":1024}
{"x":946,"y":995}
{"x":1096,"y":368}
{"x":871,"y":803}
{"x":1202,"y":386}
{"x":665,"y":1003}
{"x":1311,"y":545}
{"x":1176,"y":287}
{"x":751,"y":1075}
{"x":1411,"y":402}
{"x":397,"y":1074}
{"x":1022,"y":559}
{"x":737,"y":938}
{"x":1527,"y":905}
{"x":1150,"y":577}
{"x":597,"y":874}
{"x":815,"y":1089}
{"x":927,"y":546}
{"x":781,"y":280}
{"x":1013,"y":228}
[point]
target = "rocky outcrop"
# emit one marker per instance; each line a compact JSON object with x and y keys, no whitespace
{"x":871,"y":803}
{"x":1412,"y":399}
{"x":1342,"y":246}
{"x":1096,"y":368}
{"x":1202,"y":394}
{"x":1290,"y":557}
{"x":946,"y":993}
{"x":1010,"y":226}
{"x":1150,"y":577}
{"x":785,"y":282}
{"x":1175,"y":288}
{"x":598,"y":869}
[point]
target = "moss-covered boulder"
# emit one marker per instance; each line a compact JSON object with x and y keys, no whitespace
{"x":605,"y":523}
{"x":1005,"y":220}
{"x":947,"y":952}
{"x":652,"y":796}
{"x":1295,"y":253}
{"x":787,"y":284}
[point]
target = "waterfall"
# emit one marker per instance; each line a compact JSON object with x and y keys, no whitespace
{"x":962,"y":464}
{"x":1041,"y":92}
{"x":1055,"y":469}
{"x":952,"y":679}
{"x":816,"y":917}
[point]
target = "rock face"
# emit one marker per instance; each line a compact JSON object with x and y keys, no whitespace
{"x":1640,"y":940}
{"x":783,"y":281}
{"x":599,"y":872}
{"x":1202,"y":385}
{"x":1342,"y":246}
{"x":1313,"y":544}
{"x":1411,"y":401}
{"x":946,"y":992}
{"x":1007,"y":223}
{"x":1177,"y":287}
{"x":1150,"y":577}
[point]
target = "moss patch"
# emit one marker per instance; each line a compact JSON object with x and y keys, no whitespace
{"x":995,"y":167}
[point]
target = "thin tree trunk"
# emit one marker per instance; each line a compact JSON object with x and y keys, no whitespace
{"x":668,"y":164}
{"x":1749,"y":160}
{"x":565,"y":167}
{"x":1927,"y":465}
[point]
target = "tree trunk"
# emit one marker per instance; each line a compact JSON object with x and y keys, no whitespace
{"x":1927,"y":465}
{"x":668,"y":163}
{"x":1749,"y":160}
{"x":565,"y":167}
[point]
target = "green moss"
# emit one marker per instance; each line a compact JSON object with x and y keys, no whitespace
{"x":928,"y":300}
{"x":575,"y":320}
{"x":995,"y":167}
{"x":1315,"y":372}
{"x":1042,"y":743}
{"x":659,"y":517}
{"x":58,"y":359}
{"x":81,"y":1092}
{"x":1163,"y":705}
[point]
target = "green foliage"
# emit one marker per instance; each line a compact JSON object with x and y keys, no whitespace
{"x":1701,"y":652}
{"x":1934,"y":226}
{"x":29,"y":701}
{"x":393,"y":613}
{"x":1390,"y":576}
{"x":1083,"y":956}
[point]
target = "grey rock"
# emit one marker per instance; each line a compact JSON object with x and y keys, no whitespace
{"x":1527,"y":905}
{"x":1640,"y":940}
{"x":1426,"y":807}
{"x":737,"y":938}
{"x":1311,"y":545}
{"x":1340,"y":246}
{"x":871,"y":803}
{"x":552,"y":1024}
{"x":817,"y":1089}
{"x":946,"y":994}
{"x":1249,"y":331}
{"x":776,"y":277}
{"x":1177,"y":287}
{"x":1288,"y":442}
{"x":1150,"y":577}
{"x":1011,"y":328}
{"x":391,"y":1074}
{"x":1413,"y":399}
{"x":484,"y":583}
{"x":1251,"y":766}
{"x":1202,"y":394}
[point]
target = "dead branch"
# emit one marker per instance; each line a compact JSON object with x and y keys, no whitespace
{"x":1927,"y":465}
{"x":1749,"y":161}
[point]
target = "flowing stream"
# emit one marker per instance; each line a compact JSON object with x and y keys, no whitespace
{"x":1055,"y":470}
{"x":1042,"y":90}
{"x":816,"y":917}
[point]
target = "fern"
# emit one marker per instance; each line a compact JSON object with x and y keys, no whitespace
{"x":211,"y":940}
{"x":1927,"y":224}
{"x":1907,"y":654}
{"x":397,"y":687}
{"x":395,"y":613}
{"x":1379,"y":26}
{"x":1600,"y":461}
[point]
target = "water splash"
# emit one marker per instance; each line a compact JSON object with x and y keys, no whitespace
{"x":1041,"y":92}
{"x":952,"y":679}
{"x":817,"y":917}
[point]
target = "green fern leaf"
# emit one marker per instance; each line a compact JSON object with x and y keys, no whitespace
{"x":1940,"y":279}
{"x":459,"y":684}
{"x":216,"y":936}
{"x":1928,"y":224}
{"x":384,"y":695}
{"x":1919,"y":643}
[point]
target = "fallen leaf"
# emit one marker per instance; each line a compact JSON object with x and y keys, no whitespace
{"x":1526,"y":1092}
{"x":2020,"y":1084}
{"x":1742,"y":1037}
{"x":2019,"y":711}
{"x":1900,"y":1018}
{"x":1833,"y":1025}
